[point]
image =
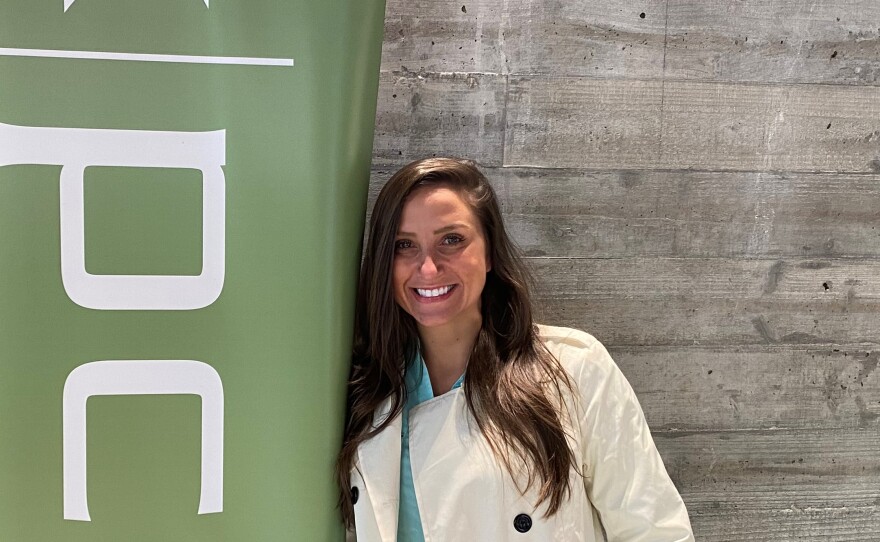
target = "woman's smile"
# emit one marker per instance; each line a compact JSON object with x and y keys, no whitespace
{"x":433,"y":295}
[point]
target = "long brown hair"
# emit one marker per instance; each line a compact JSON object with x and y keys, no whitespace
{"x":513,"y":385}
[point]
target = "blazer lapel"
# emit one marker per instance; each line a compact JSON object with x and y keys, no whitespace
{"x":379,"y":459}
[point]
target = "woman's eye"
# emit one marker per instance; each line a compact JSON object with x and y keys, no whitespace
{"x":452,"y":239}
{"x":402,"y":244}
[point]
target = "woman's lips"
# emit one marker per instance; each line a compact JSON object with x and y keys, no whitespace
{"x":433,"y":295}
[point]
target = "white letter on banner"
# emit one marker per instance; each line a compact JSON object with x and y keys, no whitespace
{"x":141,"y":377}
{"x":77,"y":148}
{"x":68,"y":3}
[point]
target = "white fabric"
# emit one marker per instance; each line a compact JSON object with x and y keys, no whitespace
{"x":465,"y":494}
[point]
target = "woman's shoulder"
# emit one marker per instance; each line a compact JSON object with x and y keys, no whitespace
{"x":579,"y":353}
{"x":566,"y":336}
{"x":568,"y":342}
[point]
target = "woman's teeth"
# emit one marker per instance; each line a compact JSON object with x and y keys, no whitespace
{"x":435,"y":292}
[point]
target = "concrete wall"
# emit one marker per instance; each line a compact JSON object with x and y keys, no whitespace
{"x":697,"y":183}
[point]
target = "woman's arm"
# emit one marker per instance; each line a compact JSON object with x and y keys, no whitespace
{"x":624,"y":475}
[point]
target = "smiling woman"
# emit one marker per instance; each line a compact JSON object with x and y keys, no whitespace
{"x":466,"y":420}
{"x":440,"y":261}
{"x":440,"y":266}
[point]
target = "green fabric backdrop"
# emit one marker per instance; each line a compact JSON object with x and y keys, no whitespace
{"x":294,"y":142}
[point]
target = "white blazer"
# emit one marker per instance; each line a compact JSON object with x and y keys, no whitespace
{"x":465,"y":494}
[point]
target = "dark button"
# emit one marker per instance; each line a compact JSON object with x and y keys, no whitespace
{"x":522,"y":523}
{"x":355,"y":493}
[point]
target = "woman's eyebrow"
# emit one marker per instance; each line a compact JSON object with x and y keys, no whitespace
{"x":451,"y":227}
{"x":444,"y":229}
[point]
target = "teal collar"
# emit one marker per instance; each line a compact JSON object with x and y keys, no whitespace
{"x":418,"y":382}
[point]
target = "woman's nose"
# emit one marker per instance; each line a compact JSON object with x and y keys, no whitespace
{"x":428,"y":267}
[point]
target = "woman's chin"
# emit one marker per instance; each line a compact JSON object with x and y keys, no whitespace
{"x":431,"y":321}
{"x":450,"y":319}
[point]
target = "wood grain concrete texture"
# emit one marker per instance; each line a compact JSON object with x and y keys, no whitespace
{"x":617,"y":214}
{"x":422,"y":115}
{"x":696,"y":183}
{"x":781,"y":41}
{"x":638,"y":124}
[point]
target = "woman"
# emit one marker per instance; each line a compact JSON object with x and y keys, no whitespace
{"x":466,"y":421}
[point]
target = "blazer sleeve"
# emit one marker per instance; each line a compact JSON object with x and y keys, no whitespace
{"x":624,"y":474}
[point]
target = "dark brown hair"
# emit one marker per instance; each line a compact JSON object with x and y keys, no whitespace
{"x":513,"y":385}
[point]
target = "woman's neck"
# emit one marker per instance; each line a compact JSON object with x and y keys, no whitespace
{"x":446,"y":351}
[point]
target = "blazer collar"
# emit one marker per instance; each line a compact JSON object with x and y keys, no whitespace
{"x":379,"y":459}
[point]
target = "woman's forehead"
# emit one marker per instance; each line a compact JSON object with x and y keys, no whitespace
{"x":437,"y":203}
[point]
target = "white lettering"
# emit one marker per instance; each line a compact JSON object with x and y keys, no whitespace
{"x":141,"y":377}
{"x":68,"y":3}
{"x":75,"y":149}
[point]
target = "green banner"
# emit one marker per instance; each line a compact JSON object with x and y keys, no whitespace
{"x":182,"y":186}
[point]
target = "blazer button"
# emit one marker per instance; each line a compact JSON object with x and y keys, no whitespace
{"x":522,"y":523}
{"x":355,"y":493}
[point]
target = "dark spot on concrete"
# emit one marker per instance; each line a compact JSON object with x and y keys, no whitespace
{"x":865,"y":415}
{"x":642,"y":15}
{"x":630,"y":179}
{"x":710,"y":371}
{"x":874,"y":165}
{"x":763,"y":329}
{"x":394,"y":95}
{"x":833,"y":392}
{"x":827,"y":127}
{"x":773,"y":277}
{"x":827,"y":285}
{"x":416,"y":100}
{"x":463,"y":9}
{"x":868,"y":366}
{"x":814,"y":265}
{"x":834,"y":54}
{"x":800,"y":337}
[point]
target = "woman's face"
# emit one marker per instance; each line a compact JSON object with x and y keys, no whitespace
{"x":440,"y":261}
